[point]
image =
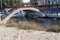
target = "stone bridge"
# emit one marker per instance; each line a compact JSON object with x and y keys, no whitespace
{"x":4,"y":21}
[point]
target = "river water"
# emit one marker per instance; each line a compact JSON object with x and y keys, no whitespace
{"x":43,"y":22}
{"x":48,"y":22}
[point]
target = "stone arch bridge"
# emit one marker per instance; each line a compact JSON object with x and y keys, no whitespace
{"x":4,"y":21}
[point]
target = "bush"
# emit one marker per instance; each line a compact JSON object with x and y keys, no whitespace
{"x":25,"y":25}
{"x":54,"y":28}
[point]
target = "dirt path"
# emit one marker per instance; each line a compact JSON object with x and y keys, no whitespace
{"x":13,"y":33}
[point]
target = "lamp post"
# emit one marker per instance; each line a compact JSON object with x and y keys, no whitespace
{"x":1,"y":4}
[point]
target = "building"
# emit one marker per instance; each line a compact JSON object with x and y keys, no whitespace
{"x":44,"y":2}
{"x":58,"y":1}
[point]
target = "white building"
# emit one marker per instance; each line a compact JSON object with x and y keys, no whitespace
{"x":58,"y":1}
{"x":42,"y":2}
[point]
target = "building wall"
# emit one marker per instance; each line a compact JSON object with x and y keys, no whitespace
{"x":43,"y":2}
{"x":58,"y":1}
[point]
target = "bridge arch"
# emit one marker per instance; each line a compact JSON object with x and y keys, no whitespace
{"x":4,"y":21}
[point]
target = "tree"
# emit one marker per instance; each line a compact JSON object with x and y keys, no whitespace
{"x":10,"y":3}
{"x":33,"y":2}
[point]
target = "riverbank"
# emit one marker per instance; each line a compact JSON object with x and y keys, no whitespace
{"x":13,"y":33}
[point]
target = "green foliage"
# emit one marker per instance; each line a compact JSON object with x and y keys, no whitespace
{"x":10,"y":3}
{"x":34,"y":2}
{"x":54,"y":28}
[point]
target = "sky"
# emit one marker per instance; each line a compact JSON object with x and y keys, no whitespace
{"x":26,"y":1}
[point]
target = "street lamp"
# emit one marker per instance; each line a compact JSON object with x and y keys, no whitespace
{"x":1,"y":4}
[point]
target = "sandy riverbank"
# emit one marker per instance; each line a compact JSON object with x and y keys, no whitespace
{"x":13,"y":33}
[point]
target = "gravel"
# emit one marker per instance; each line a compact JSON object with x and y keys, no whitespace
{"x":13,"y":33}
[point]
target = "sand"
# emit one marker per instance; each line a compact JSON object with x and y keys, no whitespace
{"x":13,"y":33}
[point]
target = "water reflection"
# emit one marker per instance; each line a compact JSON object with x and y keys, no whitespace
{"x":47,"y":22}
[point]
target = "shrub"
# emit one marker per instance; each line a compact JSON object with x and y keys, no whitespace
{"x":25,"y":25}
{"x":54,"y":28}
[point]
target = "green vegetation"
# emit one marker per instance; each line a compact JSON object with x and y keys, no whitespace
{"x":9,"y":3}
{"x":55,"y":26}
{"x":34,"y":2}
{"x":12,"y":3}
{"x":24,"y":25}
